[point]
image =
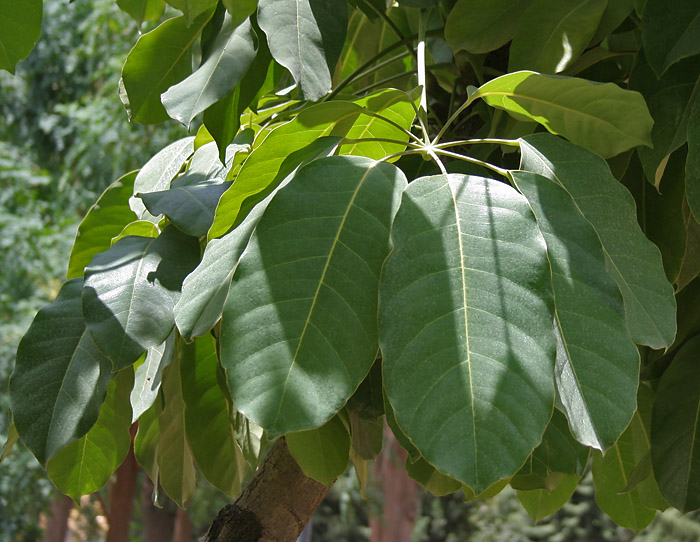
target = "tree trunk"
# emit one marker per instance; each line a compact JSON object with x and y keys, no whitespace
{"x":57,"y":525}
{"x":121,"y":496}
{"x":274,"y":507}
{"x":400,"y":493}
{"x":183,"y":527}
{"x":159,"y":521}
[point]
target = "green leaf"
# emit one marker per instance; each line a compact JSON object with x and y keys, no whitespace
{"x":147,"y":440}
{"x":692,"y":166}
{"x":597,"y":366}
{"x":142,"y":10}
{"x":632,"y":260}
{"x":160,"y":59}
{"x":670,"y":101}
{"x":540,"y":503}
{"x":433,"y":480}
{"x":160,"y":170}
{"x":367,"y":435}
{"x":690,"y":268}
{"x":207,"y":418}
{"x":465,"y":320}
{"x":103,"y":221}
{"x":675,"y":425}
{"x":368,"y":399}
{"x":130,"y":292}
{"x":12,"y":438}
{"x":231,"y":54}
{"x":85,"y":466}
{"x":149,"y":376}
{"x":670,"y":32}
{"x":602,"y":117}
{"x":190,"y":208}
{"x":192,"y":8}
{"x":142,"y":228}
{"x":306,"y":37}
{"x":251,"y":438}
{"x":57,"y":357}
{"x":401,"y":438}
{"x":173,"y":454}
{"x":295,"y":321}
{"x":240,"y":9}
{"x":20,"y":27}
{"x":481,"y":26}
{"x":614,"y":15}
{"x":550,"y":36}
{"x":322,"y":453}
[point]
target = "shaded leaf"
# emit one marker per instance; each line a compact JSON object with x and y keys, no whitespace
{"x":12,"y":438}
{"x":192,"y":8}
{"x":294,"y":320}
{"x":240,"y":9}
{"x":670,"y":32}
{"x":401,"y":438}
{"x":468,"y":364}
{"x":614,"y":15}
{"x":430,"y":478}
{"x":540,"y":503}
{"x":20,"y":27}
{"x":690,"y":267}
{"x":147,"y":439}
{"x":367,"y":435}
{"x":149,"y":376}
{"x":692,"y":166}
{"x":368,"y":399}
{"x":142,"y":10}
{"x":632,"y":260}
{"x":60,"y":377}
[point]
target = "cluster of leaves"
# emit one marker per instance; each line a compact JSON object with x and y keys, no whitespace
{"x":359,"y":252}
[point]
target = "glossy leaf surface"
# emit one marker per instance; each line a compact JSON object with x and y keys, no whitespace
{"x":149,"y":375}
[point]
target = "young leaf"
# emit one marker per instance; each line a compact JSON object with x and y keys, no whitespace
{"x":670,"y":32}
{"x":602,"y":117}
{"x":131,"y":289}
{"x":58,"y":358}
{"x":231,"y":54}
{"x":142,"y":10}
{"x":85,"y":466}
{"x":149,"y":376}
{"x":465,"y":323}
{"x":540,"y":503}
{"x":103,"y":221}
{"x":160,"y":59}
{"x":306,"y":37}
{"x":597,"y":367}
{"x":632,"y":260}
{"x":20,"y":27}
{"x":299,"y":330}
{"x":322,"y":453}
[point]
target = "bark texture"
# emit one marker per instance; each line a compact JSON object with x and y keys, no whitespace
{"x":121,"y":496}
{"x":274,"y":507}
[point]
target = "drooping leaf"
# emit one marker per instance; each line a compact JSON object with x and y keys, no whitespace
{"x":207,"y":418}
{"x":322,"y":453}
{"x":550,"y":36}
{"x":692,"y":165}
{"x":85,"y":466}
{"x":60,"y":377}
{"x":147,"y":439}
{"x":12,"y":438}
{"x":20,"y":27}
{"x":675,"y":424}
{"x":597,"y":367}
{"x":632,"y":260}
{"x":401,"y":438}
{"x":131,"y":289}
{"x":142,"y":228}
{"x":160,"y":59}
{"x":670,"y":32}
{"x":367,"y":436}
{"x":368,"y":399}
{"x":437,"y":483}
{"x":481,"y":26}
{"x":192,"y":8}
{"x":173,"y":454}
{"x":601,"y":117}
{"x":465,"y":314}
{"x":143,"y":10}
{"x":231,"y":54}
{"x":306,"y":37}
{"x":149,"y":376}
{"x":540,"y":503}
{"x":294,"y":320}
{"x":103,"y":221}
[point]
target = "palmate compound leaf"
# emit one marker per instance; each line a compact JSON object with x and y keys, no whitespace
{"x":131,"y":289}
{"x":597,"y":366}
{"x":465,"y":318}
{"x":632,"y":260}
{"x":60,"y":377}
{"x":299,"y":328}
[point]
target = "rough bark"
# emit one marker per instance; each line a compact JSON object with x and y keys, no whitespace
{"x":57,"y":524}
{"x":400,"y":495}
{"x":274,"y":507}
{"x":159,"y":522}
{"x":121,"y":496}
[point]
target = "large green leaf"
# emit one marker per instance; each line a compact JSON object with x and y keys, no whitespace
{"x":85,"y":466}
{"x":614,"y":15}
{"x":60,"y":377}
{"x":299,"y":329}
{"x":675,"y":428}
{"x":160,"y":59}
{"x":597,"y":367}
{"x":465,"y":319}
{"x":690,"y":267}
{"x":322,"y":453}
{"x":143,"y":10}
{"x":692,"y":166}
{"x":551,"y":35}
{"x":481,"y":26}
{"x":147,"y":439}
{"x":670,"y":32}
{"x":430,"y":478}
{"x":192,"y":8}
{"x":20,"y":27}
{"x":207,"y":418}
{"x":173,"y":453}
{"x":160,"y":170}
{"x":149,"y":376}
{"x":105,"y":219}
{"x":632,"y":260}
{"x":540,"y":503}
{"x":602,"y":117}
{"x":306,"y":37}
{"x":231,"y":54}
{"x":131,"y":289}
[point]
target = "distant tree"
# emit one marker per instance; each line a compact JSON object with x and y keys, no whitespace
{"x":400,"y":212}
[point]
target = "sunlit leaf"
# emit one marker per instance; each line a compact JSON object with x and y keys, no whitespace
{"x":149,"y":376}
